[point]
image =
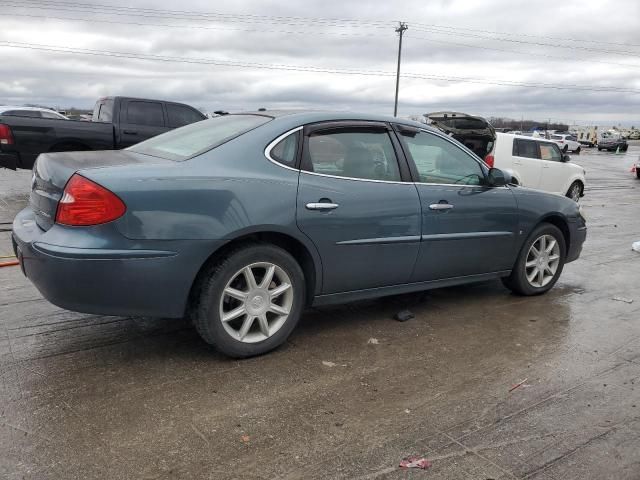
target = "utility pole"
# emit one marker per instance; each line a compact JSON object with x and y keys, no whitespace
{"x":401,"y":29}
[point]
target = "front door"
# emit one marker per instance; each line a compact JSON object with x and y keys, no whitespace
{"x":357,"y":204}
{"x":468,"y":228}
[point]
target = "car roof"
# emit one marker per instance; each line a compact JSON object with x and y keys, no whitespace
{"x":524,"y":137}
{"x":4,"y":108}
{"x":313,"y":116}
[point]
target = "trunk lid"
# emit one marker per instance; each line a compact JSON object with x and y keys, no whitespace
{"x":476,"y":133}
{"x":52,"y":171}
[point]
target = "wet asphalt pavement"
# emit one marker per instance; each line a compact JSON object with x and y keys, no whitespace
{"x":353,"y":391}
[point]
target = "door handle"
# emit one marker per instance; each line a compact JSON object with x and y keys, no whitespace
{"x":440,"y":206}
{"x":130,"y":132}
{"x":321,"y":206}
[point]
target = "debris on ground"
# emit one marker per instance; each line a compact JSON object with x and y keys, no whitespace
{"x":622,"y":299}
{"x":414,"y":461}
{"x":245,"y":438}
{"x":328,"y":364}
{"x":373,"y":341}
{"x":406,"y":410}
{"x":518,"y":385}
{"x":404,"y":315}
{"x":635,"y":246}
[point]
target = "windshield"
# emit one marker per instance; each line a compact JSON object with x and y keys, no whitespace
{"x":199,"y":137}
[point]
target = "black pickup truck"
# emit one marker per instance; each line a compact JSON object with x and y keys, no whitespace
{"x":117,"y":122}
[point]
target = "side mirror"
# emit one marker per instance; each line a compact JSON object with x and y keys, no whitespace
{"x":498,"y":178}
{"x":566,"y":158}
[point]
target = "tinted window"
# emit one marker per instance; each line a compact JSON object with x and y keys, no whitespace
{"x":23,"y":113}
{"x":550,"y":151}
{"x":286,"y":149}
{"x":525,"y":148}
{"x":355,"y":153}
{"x":440,"y":161}
{"x":199,"y":137}
{"x":572,"y":138}
{"x":180,"y":115}
{"x":557,"y":137}
{"x":145,"y":113}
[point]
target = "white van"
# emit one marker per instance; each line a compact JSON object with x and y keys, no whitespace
{"x":537,"y":163}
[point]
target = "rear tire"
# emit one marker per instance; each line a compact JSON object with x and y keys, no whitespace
{"x":237,"y":308}
{"x":525,"y":278}
{"x":565,"y":149}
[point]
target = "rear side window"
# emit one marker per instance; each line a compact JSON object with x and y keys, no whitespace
{"x":200,"y":137}
{"x":103,"y":111}
{"x":23,"y":113}
{"x":285,"y":151}
{"x":363,"y":153}
{"x":525,"y":148}
{"x":145,"y":113}
{"x":180,"y":115}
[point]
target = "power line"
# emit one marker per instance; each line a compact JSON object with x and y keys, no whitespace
{"x":548,"y":37}
{"x":542,"y":44}
{"x":186,"y":15}
{"x":308,"y":69}
{"x":199,"y":27}
{"x":523,"y":53}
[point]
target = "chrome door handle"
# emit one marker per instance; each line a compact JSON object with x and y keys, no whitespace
{"x":321,"y":206}
{"x":440,"y":206}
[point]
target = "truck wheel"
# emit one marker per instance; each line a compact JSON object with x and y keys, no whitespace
{"x":250,"y":302}
{"x":539,"y":263}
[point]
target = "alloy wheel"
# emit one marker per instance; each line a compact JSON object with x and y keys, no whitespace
{"x":256,"y":302}
{"x":542,"y":261}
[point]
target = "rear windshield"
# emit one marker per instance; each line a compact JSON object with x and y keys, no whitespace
{"x":556,"y":137}
{"x":464,"y":123}
{"x":197,"y":138}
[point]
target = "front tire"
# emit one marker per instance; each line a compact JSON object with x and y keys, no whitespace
{"x":250,"y":302}
{"x":578,"y":150}
{"x":575,"y":191}
{"x":539,"y":263}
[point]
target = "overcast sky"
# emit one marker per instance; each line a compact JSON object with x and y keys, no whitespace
{"x":455,"y":39}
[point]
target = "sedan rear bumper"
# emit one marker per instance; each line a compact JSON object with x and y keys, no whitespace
{"x":103,"y":281}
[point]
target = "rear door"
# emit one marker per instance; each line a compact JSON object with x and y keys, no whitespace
{"x":357,"y":204}
{"x":467,"y":227}
{"x":555,"y":172}
{"x":526,"y":162}
{"x":139,"y":120}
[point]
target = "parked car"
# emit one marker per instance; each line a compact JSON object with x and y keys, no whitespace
{"x":538,"y":163}
{"x":117,"y":122}
{"x":242,"y":220}
{"x":636,"y":169}
{"x":566,"y":142}
{"x":612,"y":143}
{"x":31,"y":112}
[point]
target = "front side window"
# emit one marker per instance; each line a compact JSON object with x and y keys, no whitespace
{"x":52,"y":115}
{"x":525,"y":148}
{"x":285,"y":151}
{"x":550,"y":151}
{"x":145,"y":113}
{"x":440,"y":161}
{"x":199,"y":137}
{"x":363,"y":153}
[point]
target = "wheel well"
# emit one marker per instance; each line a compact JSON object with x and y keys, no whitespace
{"x":562,"y":225}
{"x":514,"y":180}
{"x":294,"y":247}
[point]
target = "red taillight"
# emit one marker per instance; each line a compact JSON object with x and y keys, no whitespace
{"x":86,"y":203}
{"x":489,"y":160}
{"x":6,"y":137}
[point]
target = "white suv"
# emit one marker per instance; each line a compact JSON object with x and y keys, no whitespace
{"x":537,"y":163}
{"x":566,"y":142}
